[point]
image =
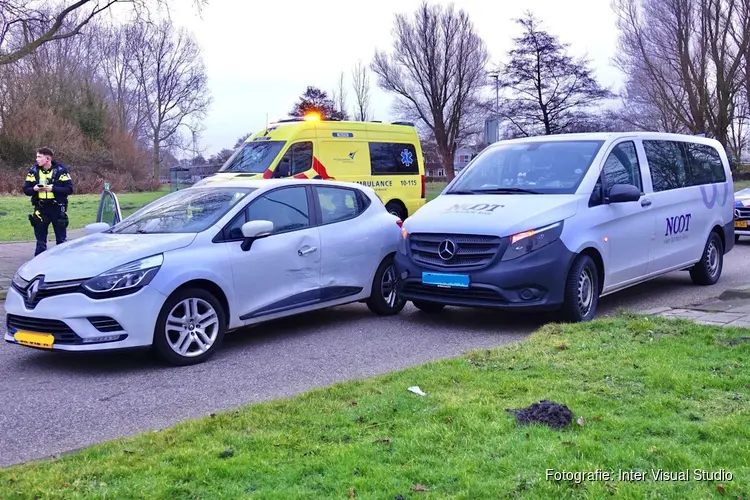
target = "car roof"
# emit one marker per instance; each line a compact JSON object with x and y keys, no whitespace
{"x":609,"y":136}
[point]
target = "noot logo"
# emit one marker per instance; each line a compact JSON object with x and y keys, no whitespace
{"x":716,"y":196}
{"x":678,"y":224}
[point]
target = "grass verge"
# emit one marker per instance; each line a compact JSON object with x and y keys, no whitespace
{"x":650,"y":394}
{"x":14,"y":212}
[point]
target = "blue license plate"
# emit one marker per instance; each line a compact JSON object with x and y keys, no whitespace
{"x":446,"y":280}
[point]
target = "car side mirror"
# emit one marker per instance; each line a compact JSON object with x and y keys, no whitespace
{"x":623,"y":193}
{"x":96,"y":227}
{"x":255,"y":230}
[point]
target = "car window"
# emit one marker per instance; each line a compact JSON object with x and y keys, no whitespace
{"x":338,"y":204}
{"x":287,"y":208}
{"x":705,"y":165}
{"x":393,"y":159}
{"x":297,"y":159}
{"x":667,"y":165}
{"x":187,"y":211}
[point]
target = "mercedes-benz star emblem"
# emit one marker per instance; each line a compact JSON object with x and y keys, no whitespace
{"x":447,"y":250}
{"x":31,"y":292}
{"x":736,"y":214}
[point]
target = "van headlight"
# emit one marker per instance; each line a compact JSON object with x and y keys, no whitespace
{"x":403,"y":242}
{"x":533,"y":239}
{"x":127,"y":278}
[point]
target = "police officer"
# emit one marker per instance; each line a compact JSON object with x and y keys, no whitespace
{"x":49,"y":185}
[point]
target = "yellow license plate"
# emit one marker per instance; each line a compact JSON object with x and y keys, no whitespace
{"x":43,"y":340}
{"x":740,"y":223}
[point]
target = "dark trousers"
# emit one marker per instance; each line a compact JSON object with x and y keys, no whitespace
{"x":54,"y":214}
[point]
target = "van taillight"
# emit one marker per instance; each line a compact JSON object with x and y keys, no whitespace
{"x":424,"y":188}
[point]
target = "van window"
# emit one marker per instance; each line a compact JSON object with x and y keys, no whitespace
{"x":393,"y":159}
{"x":667,"y":165}
{"x":252,"y":157}
{"x":297,"y":159}
{"x":705,"y":164}
{"x":549,"y":167}
{"x":621,"y":167}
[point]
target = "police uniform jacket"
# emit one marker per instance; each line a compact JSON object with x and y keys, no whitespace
{"x":58,"y":177}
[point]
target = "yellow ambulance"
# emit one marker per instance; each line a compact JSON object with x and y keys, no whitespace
{"x":384,"y":156}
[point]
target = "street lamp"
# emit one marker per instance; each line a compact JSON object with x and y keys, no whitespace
{"x":496,"y":76}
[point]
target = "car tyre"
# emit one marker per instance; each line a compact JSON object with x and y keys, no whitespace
{"x":384,"y":298}
{"x":707,"y":271}
{"x":581,"y":291}
{"x":428,"y":307}
{"x":190,"y":327}
{"x":395,"y":209}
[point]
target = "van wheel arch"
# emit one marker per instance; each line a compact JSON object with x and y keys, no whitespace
{"x":718,"y":230}
{"x":397,"y":205}
{"x":210,"y":287}
{"x":598,"y":261}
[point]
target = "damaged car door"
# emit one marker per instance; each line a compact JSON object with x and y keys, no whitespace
{"x":280,"y":272}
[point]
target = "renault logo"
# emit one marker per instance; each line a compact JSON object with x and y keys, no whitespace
{"x":31,"y":292}
{"x":447,"y":250}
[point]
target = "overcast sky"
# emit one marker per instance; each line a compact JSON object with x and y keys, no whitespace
{"x":260,"y":56}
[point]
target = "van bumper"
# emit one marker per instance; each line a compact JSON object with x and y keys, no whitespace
{"x":533,"y":282}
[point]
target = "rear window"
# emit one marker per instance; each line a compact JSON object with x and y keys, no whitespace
{"x":393,"y":159}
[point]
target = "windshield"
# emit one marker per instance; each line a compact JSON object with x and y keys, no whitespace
{"x":555,"y":167}
{"x":253,"y":157}
{"x":189,"y":211}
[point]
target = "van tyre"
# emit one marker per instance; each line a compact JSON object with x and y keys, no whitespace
{"x":395,"y":209}
{"x":707,"y":271}
{"x":384,"y":298}
{"x":428,"y":307}
{"x":581,"y":291}
{"x":190,"y":327}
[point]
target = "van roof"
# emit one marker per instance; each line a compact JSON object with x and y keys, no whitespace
{"x":610,"y":136}
{"x":283,"y":129}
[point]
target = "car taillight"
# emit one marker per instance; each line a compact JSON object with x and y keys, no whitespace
{"x":400,"y":223}
{"x":424,"y":187}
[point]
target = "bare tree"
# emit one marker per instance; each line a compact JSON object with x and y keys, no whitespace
{"x":550,"y":91}
{"x":361,"y":84}
{"x":339,"y":96}
{"x":21,"y":16}
{"x":689,"y":54}
{"x":169,"y":69}
{"x":436,"y":71}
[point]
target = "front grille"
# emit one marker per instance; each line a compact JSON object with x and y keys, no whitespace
{"x":105,"y":324}
{"x":471,"y":251}
{"x":472,"y":294}
{"x":741,"y":213}
{"x":45,"y":290}
{"x":61,"y":331}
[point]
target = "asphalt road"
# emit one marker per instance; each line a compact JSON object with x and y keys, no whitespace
{"x":54,"y":402}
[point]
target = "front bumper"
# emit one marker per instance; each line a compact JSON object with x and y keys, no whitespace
{"x":535,"y":281}
{"x":79,"y":323}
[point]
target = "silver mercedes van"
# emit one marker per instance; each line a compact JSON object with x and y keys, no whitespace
{"x":555,"y":222}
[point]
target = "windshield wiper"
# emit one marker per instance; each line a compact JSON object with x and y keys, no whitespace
{"x":501,"y":190}
{"x":461,"y":191}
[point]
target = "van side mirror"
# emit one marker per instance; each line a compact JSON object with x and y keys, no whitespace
{"x":255,"y":230}
{"x":623,"y":193}
{"x":284,"y":169}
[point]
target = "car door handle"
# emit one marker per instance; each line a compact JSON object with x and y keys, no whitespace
{"x":645,"y":203}
{"x":302,"y":252}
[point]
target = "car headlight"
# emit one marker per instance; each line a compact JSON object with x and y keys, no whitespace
{"x":19,"y":282}
{"x":533,"y":239}
{"x":131,"y":276}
